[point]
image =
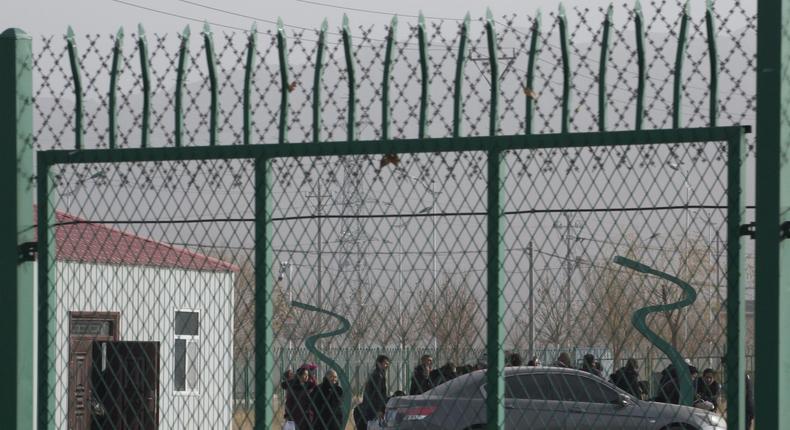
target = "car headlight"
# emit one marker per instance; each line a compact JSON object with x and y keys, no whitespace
{"x":714,"y":420}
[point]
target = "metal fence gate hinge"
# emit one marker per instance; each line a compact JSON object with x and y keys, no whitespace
{"x":748,"y":230}
{"x":784,"y":230}
{"x":26,"y":252}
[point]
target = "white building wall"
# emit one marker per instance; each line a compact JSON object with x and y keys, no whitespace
{"x":147,"y":298}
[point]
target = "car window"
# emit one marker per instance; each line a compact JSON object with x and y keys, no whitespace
{"x":530,"y":386}
{"x":577,"y":388}
{"x":463,"y":386}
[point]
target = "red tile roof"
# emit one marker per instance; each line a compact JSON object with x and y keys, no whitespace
{"x":82,"y":241}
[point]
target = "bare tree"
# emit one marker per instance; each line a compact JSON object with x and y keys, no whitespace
{"x":455,"y":319}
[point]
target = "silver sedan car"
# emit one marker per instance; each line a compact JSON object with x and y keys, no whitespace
{"x":547,"y":398}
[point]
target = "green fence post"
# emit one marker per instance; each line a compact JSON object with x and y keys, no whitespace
{"x":736,"y":265}
{"x":495,"y":406}
{"x":772,"y":299}
{"x":18,"y":309}
{"x":495,"y":400}
{"x":264,"y":288}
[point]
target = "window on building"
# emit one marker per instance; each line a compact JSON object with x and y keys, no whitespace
{"x":187,"y":337}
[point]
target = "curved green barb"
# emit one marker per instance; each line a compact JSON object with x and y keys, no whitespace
{"x":310,"y":344}
{"x":639,"y":321}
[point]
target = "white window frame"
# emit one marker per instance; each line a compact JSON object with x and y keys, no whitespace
{"x":189,"y":339}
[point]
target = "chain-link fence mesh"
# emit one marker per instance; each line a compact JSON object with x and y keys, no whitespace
{"x":151,"y":309}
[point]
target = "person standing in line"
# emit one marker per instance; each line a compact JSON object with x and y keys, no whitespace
{"x":328,"y":399}
{"x":516,"y":360}
{"x":563,"y":360}
{"x":375,"y":394}
{"x":421,"y":377}
{"x":302,"y":388}
{"x":590,"y":367}
{"x":708,"y":389}
{"x":290,"y":401}
{"x":627,"y":379}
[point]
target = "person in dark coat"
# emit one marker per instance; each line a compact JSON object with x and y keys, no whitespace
{"x":627,"y":378}
{"x":516,"y":360}
{"x":749,"y":401}
{"x":421,"y":377}
{"x":669,"y":391}
{"x":375,"y":394}
{"x":708,"y":389}
{"x":444,"y":374}
{"x":290,"y":401}
{"x":535,"y":362}
{"x":303,"y":411}
{"x":564,"y":360}
{"x":328,"y":400}
{"x":590,"y":367}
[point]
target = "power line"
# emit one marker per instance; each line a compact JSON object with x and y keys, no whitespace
{"x":377,"y":12}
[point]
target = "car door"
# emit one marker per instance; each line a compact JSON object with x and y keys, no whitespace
{"x":594,"y":404}
{"x":532,"y":402}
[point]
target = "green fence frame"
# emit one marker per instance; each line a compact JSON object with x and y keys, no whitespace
{"x":495,"y":147}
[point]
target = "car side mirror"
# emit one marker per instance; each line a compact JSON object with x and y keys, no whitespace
{"x":622,"y":401}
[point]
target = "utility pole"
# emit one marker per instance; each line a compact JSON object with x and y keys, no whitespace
{"x":569,"y":260}
{"x":531,"y":302}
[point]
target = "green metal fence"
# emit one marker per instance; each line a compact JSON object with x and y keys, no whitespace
{"x":172,"y":243}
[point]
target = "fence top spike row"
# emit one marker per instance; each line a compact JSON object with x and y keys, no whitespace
{"x":530,"y":93}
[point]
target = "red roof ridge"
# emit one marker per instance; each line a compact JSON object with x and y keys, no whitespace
{"x":83,"y":241}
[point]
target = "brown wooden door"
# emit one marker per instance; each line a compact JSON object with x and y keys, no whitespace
{"x":127,"y":386}
{"x":84,"y":329}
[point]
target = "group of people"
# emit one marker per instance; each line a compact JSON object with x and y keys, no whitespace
{"x":312,"y":406}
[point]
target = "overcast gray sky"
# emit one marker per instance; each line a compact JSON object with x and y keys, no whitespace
{"x":90,"y":16}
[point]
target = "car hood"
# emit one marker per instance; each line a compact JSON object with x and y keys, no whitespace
{"x":668,"y":413}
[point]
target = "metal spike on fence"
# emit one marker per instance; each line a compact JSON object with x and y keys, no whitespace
{"x":566,"y":69}
{"x":529,"y":90}
{"x":319,"y":69}
{"x":459,"y":75}
{"x":602,"y":67}
{"x":285,"y":86}
{"x":74,"y":61}
{"x":385,"y":84}
{"x":183,"y":54}
{"x":494,"y":64}
{"x":252,"y":39}
{"x":142,"y":48}
{"x":211,"y":64}
{"x":677,"y":97}
{"x":640,"y":61}
{"x":713,"y":55}
{"x":115,"y":70}
{"x":424,"y":78}
{"x":352,"y":84}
